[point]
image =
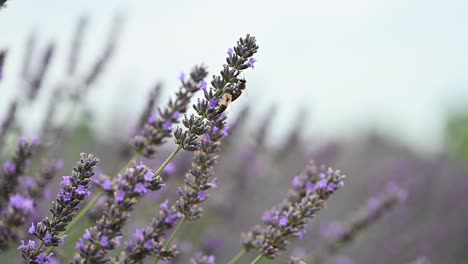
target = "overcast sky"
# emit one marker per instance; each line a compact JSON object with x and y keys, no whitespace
{"x":395,"y":64}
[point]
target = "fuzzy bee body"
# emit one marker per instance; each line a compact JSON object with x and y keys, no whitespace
{"x":224,"y":102}
{"x":240,"y":88}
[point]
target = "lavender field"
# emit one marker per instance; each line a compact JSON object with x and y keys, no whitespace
{"x":213,"y":164}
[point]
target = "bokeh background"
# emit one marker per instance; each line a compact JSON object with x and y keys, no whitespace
{"x":378,"y":89}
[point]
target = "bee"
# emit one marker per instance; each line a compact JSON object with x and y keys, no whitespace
{"x":224,"y":102}
{"x":241,"y":86}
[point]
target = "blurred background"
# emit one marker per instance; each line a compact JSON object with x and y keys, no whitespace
{"x":378,"y":89}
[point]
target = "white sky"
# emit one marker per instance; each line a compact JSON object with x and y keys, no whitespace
{"x":394,"y":64}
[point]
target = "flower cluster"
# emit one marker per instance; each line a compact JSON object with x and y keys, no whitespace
{"x":150,"y":240}
{"x":228,"y":82}
{"x":15,"y":167}
{"x":307,"y":195}
{"x":106,"y":234}
{"x":19,"y":208}
{"x":156,"y":130}
{"x":74,"y":189}
{"x":375,"y":208}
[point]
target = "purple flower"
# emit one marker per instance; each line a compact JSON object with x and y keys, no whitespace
{"x":251,"y":62}
{"x":310,"y":187}
{"x":79,"y":245}
{"x":301,"y":233}
{"x":266,"y":216}
{"x":214,"y":183}
{"x":212,"y":103}
{"x":152,"y":118}
{"x":107,"y":185}
{"x":66,"y":181}
{"x":322,"y":183}
{"x":230,"y":51}
{"x":211,"y":260}
{"x":296,"y":182}
{"x":120,"y":196}
{"x":117,"y":240}
{"x":203,"y":85}
{"x":167,"y":125}
{"x":47,"y":239}
{"x":149,"y":175}
{"x":62,"y":239}
{"x":42,"y":258}
{"x":163,"y":206}
{"x":87,"y":234}
{"x":202,"y":195}
{"x":104,"y":241}
{"x":283,"y":221}
{"x":81,"y":190}
{"x":175,"y":115}
{"x":21,"y":203}
{"x":31,"y":244}
{"x":9,"y":167}
{"x":138,"y":234}
{"x":29,"y":183}
{"x":140,"y":188}
{"x":182,"y":77}
{"x":32,"y":229}
{"x":149,"y":244}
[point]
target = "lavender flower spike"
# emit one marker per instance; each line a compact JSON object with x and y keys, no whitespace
{"x":14,"y":216}
{"x":74,"y":189}
{"x":106,"y":234}
{"x":158,"y":129}
{"x":14,"y":168}
{"x":375,"y":208}
{"x":307,"y":196}
{"x":205,"y":137}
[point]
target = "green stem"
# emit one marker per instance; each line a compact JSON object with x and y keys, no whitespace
{"x":172,"y":238}
{"x":167,"y":161}
{"x":237,"y":257}
{"x":257,"y":259}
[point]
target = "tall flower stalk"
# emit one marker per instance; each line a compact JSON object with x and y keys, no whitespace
{"x":14,"y":168}
{"x":74,"y":189}
{"x":307,"y":195}
{"x":203,"y":134}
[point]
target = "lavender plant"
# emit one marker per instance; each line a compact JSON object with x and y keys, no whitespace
{"x":120,"y":229}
